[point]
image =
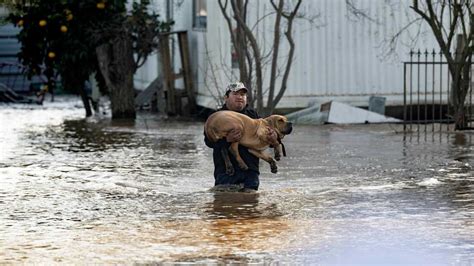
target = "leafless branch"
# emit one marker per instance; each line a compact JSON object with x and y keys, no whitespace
{"x":255,"y":49}
{"x":359,"y":13}
{"x":290,"y":18}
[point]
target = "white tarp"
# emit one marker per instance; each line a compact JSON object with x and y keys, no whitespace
{"x":338,"y":113}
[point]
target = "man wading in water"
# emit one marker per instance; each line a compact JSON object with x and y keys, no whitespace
{"x":235,"y":99}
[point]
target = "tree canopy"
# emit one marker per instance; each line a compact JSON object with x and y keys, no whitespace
{"x":61,"y":37}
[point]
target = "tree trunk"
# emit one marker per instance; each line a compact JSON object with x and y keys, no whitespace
{"x":73,"y":81}
{"x":117,"y":66}
{"x":460,"y":118}
{"x":461,"y":86}
{"x":85,"y":101}
{"x":240,"y":47}
{"x":460,"y":73}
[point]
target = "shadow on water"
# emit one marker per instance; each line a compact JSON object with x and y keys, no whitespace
{"x":234,"y":205}
{"x":90,"y":137}
{"x":238,"y":205}
{"x":81,"y":136}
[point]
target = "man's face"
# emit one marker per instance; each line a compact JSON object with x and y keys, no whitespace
{"x":236,"y":101}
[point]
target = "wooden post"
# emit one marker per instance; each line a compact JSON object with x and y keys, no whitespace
{"x":187,"y":73}
{"x":168,"y":80}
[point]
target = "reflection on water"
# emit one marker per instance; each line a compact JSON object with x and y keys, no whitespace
{"x":231,"y":205}
{"x":75,"y":190}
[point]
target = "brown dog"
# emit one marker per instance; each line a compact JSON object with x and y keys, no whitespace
{"x":255,"y":135}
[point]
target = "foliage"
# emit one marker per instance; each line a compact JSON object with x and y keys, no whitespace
{"x":60,"y":37}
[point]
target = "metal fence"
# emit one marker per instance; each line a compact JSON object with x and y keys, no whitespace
{"x":427,"y":90}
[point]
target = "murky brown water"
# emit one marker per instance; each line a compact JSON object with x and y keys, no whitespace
{"x":75,"y":191}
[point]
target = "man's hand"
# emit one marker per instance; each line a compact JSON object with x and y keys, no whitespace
{"x":234,"y":135}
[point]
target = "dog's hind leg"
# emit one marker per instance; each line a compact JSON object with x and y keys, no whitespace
{"x":266,"y":157}
{"x":234,"y":149}
{"x":229,"y":168}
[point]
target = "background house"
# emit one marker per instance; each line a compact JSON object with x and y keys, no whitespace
{"x":344,"y":55}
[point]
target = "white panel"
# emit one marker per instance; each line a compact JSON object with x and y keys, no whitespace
{"x":181,"y":14}
{"x":340,"y":113}
{"x":340,"y":57}
{"x":343,"y":59}
{"x":149,"y":71}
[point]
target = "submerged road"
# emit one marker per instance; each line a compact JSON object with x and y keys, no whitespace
{"x":76,"y":191}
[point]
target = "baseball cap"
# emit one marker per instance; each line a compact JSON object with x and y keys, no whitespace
{"x":236,"y":86}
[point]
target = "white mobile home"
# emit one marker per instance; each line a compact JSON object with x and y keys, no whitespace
{"x":342,"y":55}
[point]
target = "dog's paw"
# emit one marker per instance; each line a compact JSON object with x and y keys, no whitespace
{"x":273,"y":167}
{"x":244,"y":167}
{"x":277,"y":157}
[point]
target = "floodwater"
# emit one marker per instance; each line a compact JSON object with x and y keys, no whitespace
{"x":75,"y":191}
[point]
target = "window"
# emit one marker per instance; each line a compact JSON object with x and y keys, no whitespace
{"x":199,"y":14}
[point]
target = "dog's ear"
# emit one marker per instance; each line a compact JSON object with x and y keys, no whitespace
{"x":272,"y":121}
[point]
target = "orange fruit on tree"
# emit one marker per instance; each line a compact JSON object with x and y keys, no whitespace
{"x":20,"y":23}
{"x":101,"y":5}
{"x":69,"y":15}
{"x":51,"y":55}
{"x":42,"y":23}
{"x":63,"y":29}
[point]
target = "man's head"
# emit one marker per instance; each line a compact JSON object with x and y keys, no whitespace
{"x":236,"y":96}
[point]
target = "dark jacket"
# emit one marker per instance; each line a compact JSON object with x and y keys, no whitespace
{"x":219,"y":165}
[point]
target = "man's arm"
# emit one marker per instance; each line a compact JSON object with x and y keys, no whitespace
{"x":233,"y":136}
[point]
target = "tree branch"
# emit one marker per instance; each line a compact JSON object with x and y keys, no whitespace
{"x":434,"y":27}
{"x":289,"y":37}
{"x":253,"y":43}
{"x":276,"y":49}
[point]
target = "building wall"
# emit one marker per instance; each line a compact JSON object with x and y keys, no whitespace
{"x":181,"y":13}
{"x":340,"y":57}
{"x":150,"y":70}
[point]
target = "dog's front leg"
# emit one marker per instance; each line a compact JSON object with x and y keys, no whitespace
{"x":229,"y":168}
{"x":277,"y":151}
{"x":234,"y":149}
{"x":266,"y":157}
{"x":272,"y":139}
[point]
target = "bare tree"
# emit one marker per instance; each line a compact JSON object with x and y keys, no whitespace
{"x":250,"y":53}
{"x":450,"y":19}
{"x":211,"y":76}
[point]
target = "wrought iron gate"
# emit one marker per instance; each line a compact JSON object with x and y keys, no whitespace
{"x":427,"y":90}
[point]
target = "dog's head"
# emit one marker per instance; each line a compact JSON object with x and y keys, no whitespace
{"x":281,"y":125}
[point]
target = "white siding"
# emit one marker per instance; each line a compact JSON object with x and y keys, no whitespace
{"x":181,"y":13}
{"x":341,"y":59}
{"x":149,"y":71}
